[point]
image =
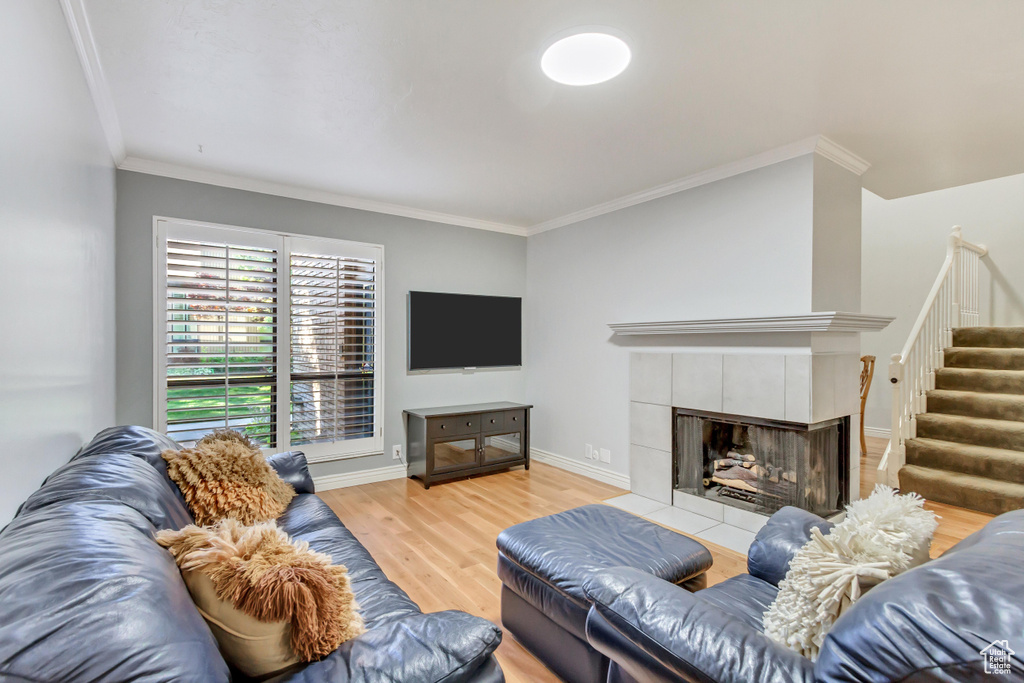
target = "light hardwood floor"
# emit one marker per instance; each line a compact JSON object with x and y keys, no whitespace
{"x":438,"y":544}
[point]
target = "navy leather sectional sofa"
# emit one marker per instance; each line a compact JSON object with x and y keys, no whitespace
{"x":938,"y":622}
{"x":86,"y":594}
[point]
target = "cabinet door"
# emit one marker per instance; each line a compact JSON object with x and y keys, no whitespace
{"x":455,"y":453}
{"x":499,"y":447}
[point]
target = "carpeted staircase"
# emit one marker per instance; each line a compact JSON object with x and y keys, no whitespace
{"x":969,"y":449}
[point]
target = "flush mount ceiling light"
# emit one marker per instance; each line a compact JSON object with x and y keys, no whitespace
{"x":585,"y":58}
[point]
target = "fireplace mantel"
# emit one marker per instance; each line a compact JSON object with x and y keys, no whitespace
{"x":830,"y":321}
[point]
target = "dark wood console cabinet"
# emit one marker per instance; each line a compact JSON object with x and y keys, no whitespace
{"x":459,"y":441}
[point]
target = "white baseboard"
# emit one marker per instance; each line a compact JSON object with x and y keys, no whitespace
{"x":340,"y":481}
{"x":877,"y":432}
{"x":579,"y":467}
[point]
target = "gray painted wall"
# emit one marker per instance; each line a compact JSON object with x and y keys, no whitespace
{"x":738,"y":247}
{"x":904,"y":244}
{"x":57,"y":230}
{"x":417,"y":255}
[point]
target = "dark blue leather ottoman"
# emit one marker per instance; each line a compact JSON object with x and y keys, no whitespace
{"x":544,"y":563}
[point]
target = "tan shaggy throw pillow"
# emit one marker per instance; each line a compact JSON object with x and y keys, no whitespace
{"x":266,"y":575}
{"x":227,"y":476}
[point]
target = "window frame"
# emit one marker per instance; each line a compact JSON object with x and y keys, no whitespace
{"x":282,"y":242}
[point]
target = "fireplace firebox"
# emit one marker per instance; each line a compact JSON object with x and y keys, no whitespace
{"x":762,"y":465}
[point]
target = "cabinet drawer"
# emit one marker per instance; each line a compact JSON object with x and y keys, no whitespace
{"x":515,"y":420}
{"x":454,"y":425}
{"x":492,"y":422}
{"x":468,"y":424}
{"x":443,"y":427}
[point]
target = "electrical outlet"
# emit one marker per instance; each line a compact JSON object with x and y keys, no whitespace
{"x":396,"y":452}
{"x":606,"y":455}
{"x":589,"y":452}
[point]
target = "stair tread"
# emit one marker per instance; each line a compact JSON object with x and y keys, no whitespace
{"x":986,"y":422}
{"x":990,"y":329}
{"x":980,"y":380}
{"x":1012,"y":373}
{"x":968,"y":480}
{"x":980,"y":395}
{"x":997,"y":406}
{"x":984,"y":357}
{"x":969,"y":450}
{"x":990,"y":337}
{"x":989,"y":495}
{"x":966,"y":458}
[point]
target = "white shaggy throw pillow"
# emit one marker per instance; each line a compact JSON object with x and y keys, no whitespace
{"x":882,"y":536}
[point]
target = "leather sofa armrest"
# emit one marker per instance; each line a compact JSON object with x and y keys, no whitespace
{"x":787,"y":531}
{"x":656,"y":631}
{"x":291,"y":466}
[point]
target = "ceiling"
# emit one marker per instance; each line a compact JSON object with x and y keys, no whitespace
{"x":441,"y":106}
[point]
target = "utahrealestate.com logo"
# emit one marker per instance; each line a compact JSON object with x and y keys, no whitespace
{"x":998,"y":657}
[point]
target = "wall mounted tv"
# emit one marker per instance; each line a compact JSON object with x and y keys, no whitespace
{"x":464,"y":331}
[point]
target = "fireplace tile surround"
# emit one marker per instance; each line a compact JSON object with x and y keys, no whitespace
{"x":806,"y":388}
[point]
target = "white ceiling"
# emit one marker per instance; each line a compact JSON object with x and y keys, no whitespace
{"x":442,"y":106}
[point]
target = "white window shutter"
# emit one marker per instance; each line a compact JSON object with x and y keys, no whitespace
{"x":275,"y":336}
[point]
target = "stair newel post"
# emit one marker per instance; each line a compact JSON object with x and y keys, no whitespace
{"x":897,"y":433}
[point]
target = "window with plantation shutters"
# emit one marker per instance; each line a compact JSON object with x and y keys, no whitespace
{"x":220,"y":336}
{"x":332,"y":347}
{"x":274,"y":335}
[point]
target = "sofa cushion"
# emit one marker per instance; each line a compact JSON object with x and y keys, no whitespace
{"x":743,"y":596}
{"x":119,"y":477}
{"x":310,"y":519}
{"x":87,"y":595}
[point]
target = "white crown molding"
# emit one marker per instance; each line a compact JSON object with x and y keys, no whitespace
{"x":818,"y":144}
{"x":88,"y":55}
{"x":197,"y":175}
{"x":840,"y":155}
{"x":340,"y":481}
{"x":831,"y":321}
{"x":578,"y":467}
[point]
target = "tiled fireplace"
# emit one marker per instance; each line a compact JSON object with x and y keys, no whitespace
{"x":731,"y":419}
{"x":786,"y":411}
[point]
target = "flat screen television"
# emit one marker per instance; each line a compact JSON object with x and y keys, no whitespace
{"x":464,"y":331}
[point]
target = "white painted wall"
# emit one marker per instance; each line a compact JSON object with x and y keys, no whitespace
{"x":904,"y":244}
{"x":738,"y":247}
{"x":57,"y":236}
{"x":837,"y":221}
